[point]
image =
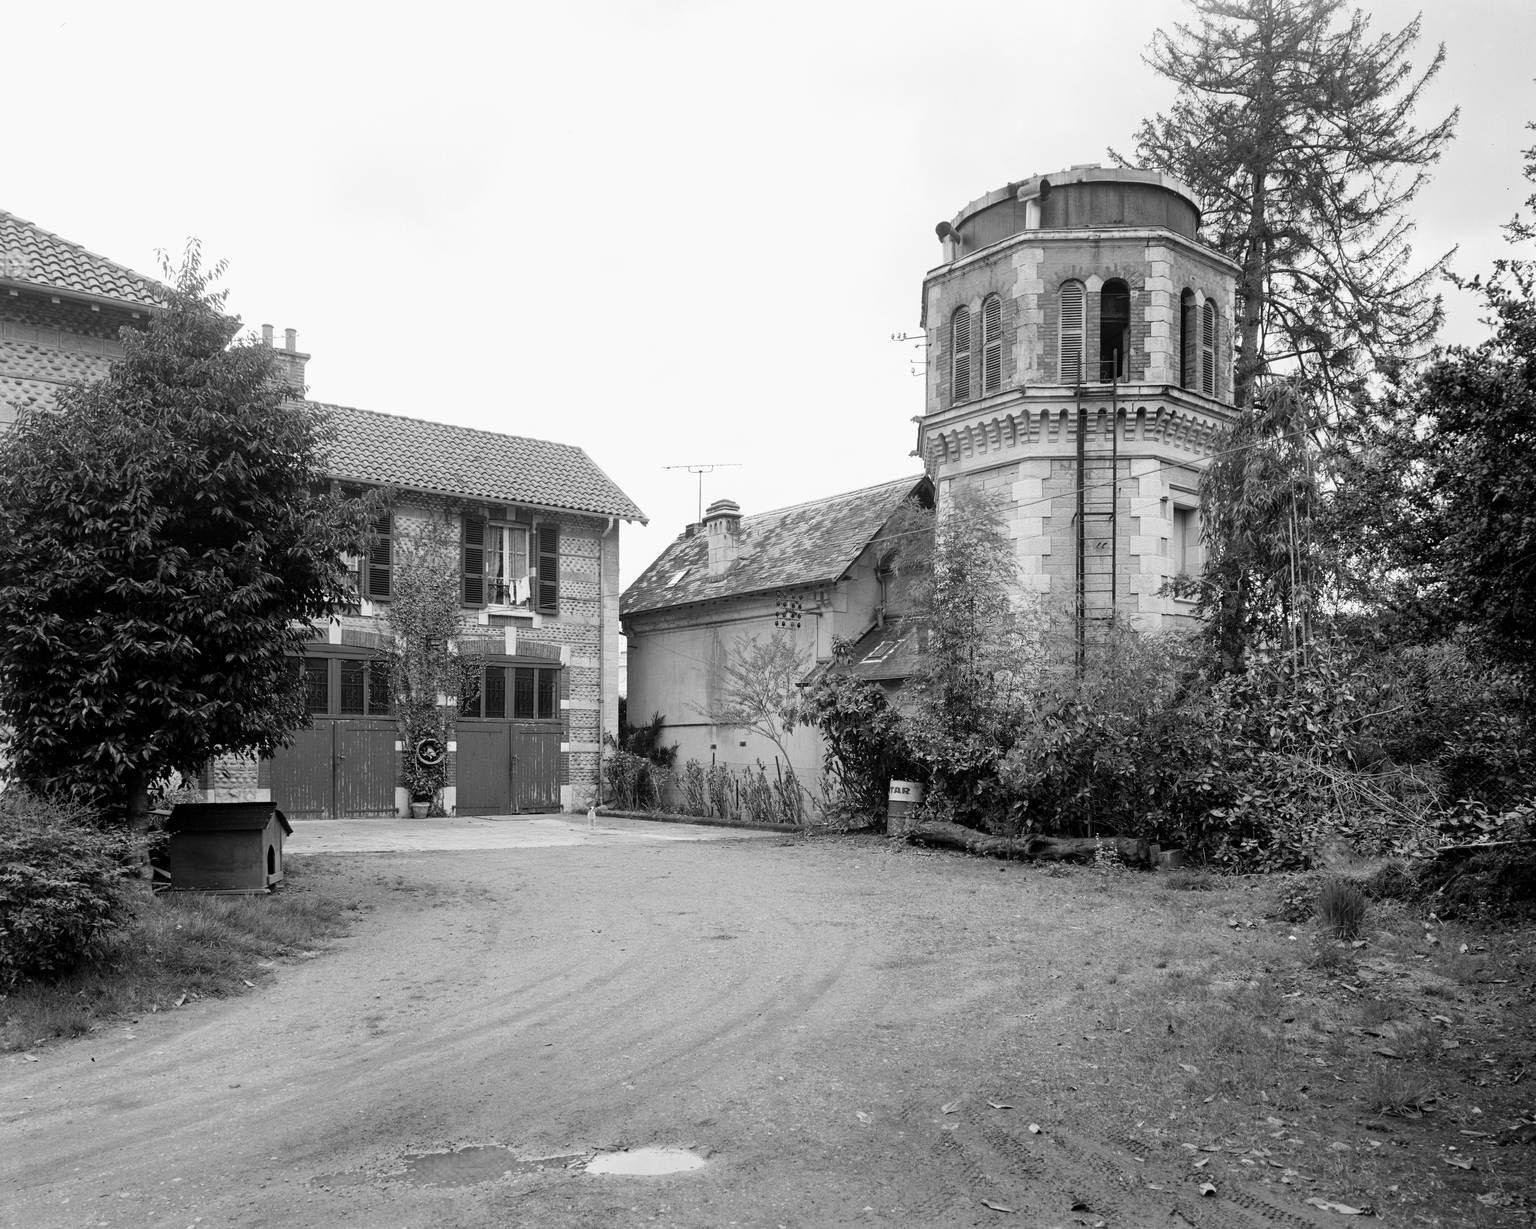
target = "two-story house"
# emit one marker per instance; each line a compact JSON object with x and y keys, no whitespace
{"x":533,"y":528}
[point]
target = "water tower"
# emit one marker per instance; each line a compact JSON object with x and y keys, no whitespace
{"x":1079,"y":341}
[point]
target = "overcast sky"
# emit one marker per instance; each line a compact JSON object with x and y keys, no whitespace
{"x":672,"y":233}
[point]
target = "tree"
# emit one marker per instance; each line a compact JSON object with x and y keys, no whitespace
{"x":1461,"y":439}
{"x":979,"y":666}
{"x":163,"y":552}
{"x":1294,"y":124}
{"x":1443,"y":487}
{"x":1264,"y":567}
{"x":762,"y":694}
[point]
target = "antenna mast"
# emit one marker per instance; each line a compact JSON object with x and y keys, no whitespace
{"x":701,"y":470}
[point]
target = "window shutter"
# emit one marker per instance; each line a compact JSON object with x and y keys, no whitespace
{"x":547,"y":595}
{"x":992,"y":345}
{"x":1071,"y":325}
{"x":1208,"y":351}
{"x":960,"y":349}
{"x":379,"y":556}
{"x":473,"y":538}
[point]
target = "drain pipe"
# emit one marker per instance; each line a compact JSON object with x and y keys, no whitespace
{"x":602,"y":660}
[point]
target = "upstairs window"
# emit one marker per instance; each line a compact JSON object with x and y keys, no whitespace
{"x":991,"y":344}
{"x":1208,"y":350}
{"x":1114,"y":330}
{"x":510,"y":566}
{"x":1070,"y":316}
{"x":960,"y":354}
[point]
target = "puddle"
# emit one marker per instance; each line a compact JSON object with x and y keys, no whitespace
{"x":469,"y":1166}
{"x":646,"y":1162}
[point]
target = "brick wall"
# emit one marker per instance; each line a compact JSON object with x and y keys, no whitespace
{"x":1028,"y":274}
{"x":583,"y":637}
{"x":45,"y":346}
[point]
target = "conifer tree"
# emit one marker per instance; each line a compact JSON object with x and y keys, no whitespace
{"x":1295,"y":125}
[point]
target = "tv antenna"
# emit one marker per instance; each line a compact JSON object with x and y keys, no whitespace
{"x":919,"y":341}
{"x":701,"y":470}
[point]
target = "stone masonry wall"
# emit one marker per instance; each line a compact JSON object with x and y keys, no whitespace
{"x":45,"y":346}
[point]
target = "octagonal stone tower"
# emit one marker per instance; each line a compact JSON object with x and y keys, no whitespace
{"x":1080,"y":367}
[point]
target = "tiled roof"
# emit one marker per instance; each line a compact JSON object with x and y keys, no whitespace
{"x":449,"y":460}
{"x":30,"y":255}
{"x":810,"y":543}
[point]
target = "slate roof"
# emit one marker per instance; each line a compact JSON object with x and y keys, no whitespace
{"x":32,"y":256}
{"x":810,"y":543}
{"x":447,"y":460}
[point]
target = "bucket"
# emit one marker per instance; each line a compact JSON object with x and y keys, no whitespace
{"x":903,"y":797}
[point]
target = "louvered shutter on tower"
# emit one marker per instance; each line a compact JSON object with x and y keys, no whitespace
{"x":1072,"y":333}
{"x":379,"y":556}
{"x":473,"y":538}
{"x":547,"y":585}
{"x":960,"y":346}
{"x":1208,"y":351}
{"x":992,"y":345}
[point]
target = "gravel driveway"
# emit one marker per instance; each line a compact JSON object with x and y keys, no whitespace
{"x":847,"y":1032}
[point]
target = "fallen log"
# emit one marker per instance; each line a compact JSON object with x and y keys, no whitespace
{"x":1034,"y":848}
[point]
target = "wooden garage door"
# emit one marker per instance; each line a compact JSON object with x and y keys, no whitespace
{"x":507,"y":767}
{"x":338,"y":768}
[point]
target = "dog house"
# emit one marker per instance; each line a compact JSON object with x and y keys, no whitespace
{"x":226,"y":846}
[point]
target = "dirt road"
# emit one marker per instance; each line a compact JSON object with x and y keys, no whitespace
{"x":849,"y":1034}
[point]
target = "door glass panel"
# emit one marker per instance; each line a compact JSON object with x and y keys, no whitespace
{"x":317,"y":689}
{"x":379,"y":699}
{"x":496,"y":691}
{"x":352,"y":673}
{"x":547,"y":693}
{"x":523,"y":699}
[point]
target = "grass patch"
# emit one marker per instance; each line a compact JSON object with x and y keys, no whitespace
{"x":1341,"y":908}
{"x":1270,"y":1051}
{"x":177,"y":948}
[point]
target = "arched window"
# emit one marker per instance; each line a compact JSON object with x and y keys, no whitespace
{"x":1188,"y":339}
{"x":1114,"y":330}
{"x":991,"y":344}
{"x":1070,"y":325}
{"x":960,"y":354}
{"x":1208,"y":349}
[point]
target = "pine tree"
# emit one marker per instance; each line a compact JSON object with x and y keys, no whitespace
{"x":1295,"y":126}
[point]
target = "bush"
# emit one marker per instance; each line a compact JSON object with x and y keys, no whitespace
{"x":61,"y":888}
{"x":634,"y":782}
{"x":695,"y":789}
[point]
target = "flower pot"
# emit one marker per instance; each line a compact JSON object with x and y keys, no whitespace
{"x":419,"y":809}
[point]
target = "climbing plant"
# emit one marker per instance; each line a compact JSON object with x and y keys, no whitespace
{"x":423,"y":620}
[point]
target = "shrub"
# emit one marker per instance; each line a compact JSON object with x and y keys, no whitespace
{"x":722,"y":791}
{"x":633,"y":781}
{"x":61,"y":888}
{"x":695,"y":789}
{"x":1341,"y":907}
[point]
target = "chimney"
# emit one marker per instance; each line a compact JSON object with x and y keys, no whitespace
{"x":722,"y":529}
{"x":290,"y":359}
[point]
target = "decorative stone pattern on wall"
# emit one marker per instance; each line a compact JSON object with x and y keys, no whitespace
{"x":44,"y":346}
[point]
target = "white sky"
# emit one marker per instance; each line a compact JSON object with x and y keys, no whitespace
{"x":669,"y":232}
